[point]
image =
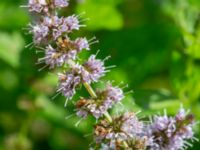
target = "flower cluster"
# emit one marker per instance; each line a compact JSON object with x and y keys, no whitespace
{"x":68,"y":83}
{"x":90,"y":71}
{"x":45,"y":6}
{"x":171,"y":133}
{"x":93,"y":69}
{"x":66,"y":50}
{"x":51,"y":34}
{"x":105,"y":100}
{"x":125,"y":128}
{"x":51,"y":28}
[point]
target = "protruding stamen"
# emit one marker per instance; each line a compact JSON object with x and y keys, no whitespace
{"x":70,"y":116}
{"x":43,"y":68}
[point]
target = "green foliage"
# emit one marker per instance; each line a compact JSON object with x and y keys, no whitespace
{"x":11,"y":46}
{"x":10,"y":12}
{"x":5,"y":79}
{"x":103,"y":14}
{"x":185,"y":59}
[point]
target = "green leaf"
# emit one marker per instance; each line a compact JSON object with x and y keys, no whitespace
{"x":102,"y":14}
{"x":8,"y":79}
{"x":10,"y":47}
{"x":12,"y":16}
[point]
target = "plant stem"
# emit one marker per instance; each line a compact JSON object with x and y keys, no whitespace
{"x":125,"y":144}
{"x":93,"y":94}
{"x":108,"y":117}
{"x":90,"y":90}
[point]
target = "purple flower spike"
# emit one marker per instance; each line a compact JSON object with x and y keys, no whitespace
{"x":52,"y":36}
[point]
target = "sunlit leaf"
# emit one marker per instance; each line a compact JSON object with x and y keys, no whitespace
{"x":103,"y":14}
{"x":12,"y":16}
{"x":11,"y":46}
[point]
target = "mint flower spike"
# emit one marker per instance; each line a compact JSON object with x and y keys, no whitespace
{"x":171,"y":133}
{"x":51,"y":34}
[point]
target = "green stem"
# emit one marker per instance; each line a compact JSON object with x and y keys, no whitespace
{"x":93,"y":94}
{"x":90,"y":90}
{"x":108,"y":117}
{"x":125,"y":144}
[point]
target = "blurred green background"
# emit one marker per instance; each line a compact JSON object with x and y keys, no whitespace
{"x":154,"y":43}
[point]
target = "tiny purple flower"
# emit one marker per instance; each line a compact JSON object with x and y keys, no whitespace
{"x":81,"y":43}
{"x":54,"y":58}
{"x":93,"y":70}
{"x":61,"y":3}
{"x":72,"y":23}
{"x":131,"y":125}
{"x":114,"y":94}
{"x":36,"y":5}
{"x":181,"y":114}
{"x":68,"y":83}
{"x":40,"y":33}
